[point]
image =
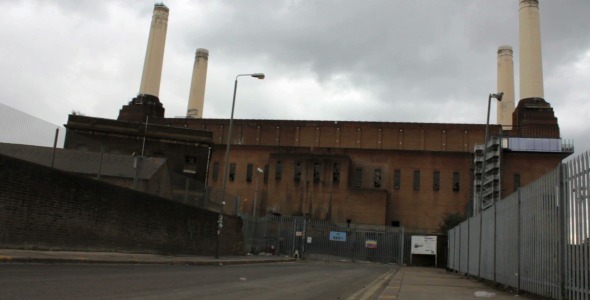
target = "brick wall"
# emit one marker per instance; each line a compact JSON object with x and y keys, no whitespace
{"x":342,"y":134}
{"x":43,"y":208}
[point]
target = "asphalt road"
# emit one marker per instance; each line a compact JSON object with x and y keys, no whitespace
{"x":283,"y":281}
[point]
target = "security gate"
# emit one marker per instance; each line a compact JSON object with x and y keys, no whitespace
{"x":353,"y":242}
{"x":324,"y":240}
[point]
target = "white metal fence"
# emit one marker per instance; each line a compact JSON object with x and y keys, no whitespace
{"x":536,"y":240}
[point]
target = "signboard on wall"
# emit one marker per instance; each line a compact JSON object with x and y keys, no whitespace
{"x":425,"y":245}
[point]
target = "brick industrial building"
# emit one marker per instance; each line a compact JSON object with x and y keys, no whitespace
{"x":399,"y":174}
{"x":406,"y":174}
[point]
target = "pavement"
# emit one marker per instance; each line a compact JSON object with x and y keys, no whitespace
{"x":416,"y":283}
{"x":407,"y":283}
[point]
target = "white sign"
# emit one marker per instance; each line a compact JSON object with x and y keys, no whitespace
{"x":424,"y":244}
{"x":309,"y":239}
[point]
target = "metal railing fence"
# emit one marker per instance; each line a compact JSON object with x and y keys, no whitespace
{"x":536,"y":240}
{"x":322,"y":240}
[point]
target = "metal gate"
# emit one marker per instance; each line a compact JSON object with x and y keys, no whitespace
{"x":323,"y":240}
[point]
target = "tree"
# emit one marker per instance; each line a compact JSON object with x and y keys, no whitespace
{"x":449,"y":221}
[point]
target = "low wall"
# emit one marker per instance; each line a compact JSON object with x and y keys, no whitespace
{"x":43,"y":208}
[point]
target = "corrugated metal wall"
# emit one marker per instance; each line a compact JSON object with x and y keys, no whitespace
{"x":21,"y":128}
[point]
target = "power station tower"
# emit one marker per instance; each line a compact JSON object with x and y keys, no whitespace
{"x":505,"y":85}
{"x":154,"y":54}
{"x":531,"y":62}
{"x":196,"y":98}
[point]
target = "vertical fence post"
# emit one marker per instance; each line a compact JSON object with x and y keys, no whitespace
{"x":458,"y":258}
{"x":495,"y":240}
{"x":518,"y":243}
{"x":304,"y":237}
{"x":278,"y":248}
{"x":468,"y":244}
{"x":402,"y":240}
{"x":480,"y":244}
{"x":353,"y":235}
{"x":294,"y":234}
{"x":562,"y":206}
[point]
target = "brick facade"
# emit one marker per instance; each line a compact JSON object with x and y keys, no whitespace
{"x":403,"y":174}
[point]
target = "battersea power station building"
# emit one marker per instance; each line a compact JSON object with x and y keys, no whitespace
{"x":385,"y":173}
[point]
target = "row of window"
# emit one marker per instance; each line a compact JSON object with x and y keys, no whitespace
{"x":397,"y":179}
{"x":317,"y":169}
{"x":357,"y":180}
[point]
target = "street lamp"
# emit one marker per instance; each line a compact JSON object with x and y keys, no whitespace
{"x":497,"y":96}
{"x":485,"y":147}
{"x":226,"y":162}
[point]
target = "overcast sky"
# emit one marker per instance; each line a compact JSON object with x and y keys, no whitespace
{"x":373,"y":60}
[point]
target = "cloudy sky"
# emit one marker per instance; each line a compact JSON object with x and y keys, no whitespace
{"x":373,"y":60}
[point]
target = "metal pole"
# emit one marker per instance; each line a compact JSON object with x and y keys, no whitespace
{"x":205,"y":198}
{"x":518,"y":241}
{"x":226,"y":166}
{"x":226,"y":161}
{"x":255,"y":197}
{"x":54,"y":146}
{"x":403,"y":241}
{"x":100,"y":163}
{"x":485,"y":153}
{"x":253,"y":223}
{"x":186,"y":189}
{"x":135,"y":167}
{"x":495,"y":240}
{"x":483,"y":172}
{"x":144,"y":134}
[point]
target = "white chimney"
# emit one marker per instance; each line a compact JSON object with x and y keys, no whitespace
{"x":154,"y":55}
{"x":505,"y":85}
{"x":196,"y":99}
{"x":531,"y":64}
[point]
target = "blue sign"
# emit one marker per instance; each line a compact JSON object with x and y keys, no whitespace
{"x":338,"y":236}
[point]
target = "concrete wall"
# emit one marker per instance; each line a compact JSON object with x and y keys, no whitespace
{"x":42,"y":208}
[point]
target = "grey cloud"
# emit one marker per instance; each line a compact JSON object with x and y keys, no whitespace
{"x":418,"y":61}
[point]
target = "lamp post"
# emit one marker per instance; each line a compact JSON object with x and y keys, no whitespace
{"x":485,"y":147}
{"x":258,"y":172}
{"x":483,"y":172}
{"x":226,"y":161}
{"x":254,"y":223}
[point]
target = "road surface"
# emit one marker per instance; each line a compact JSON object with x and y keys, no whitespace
{"x":282,"y":281}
